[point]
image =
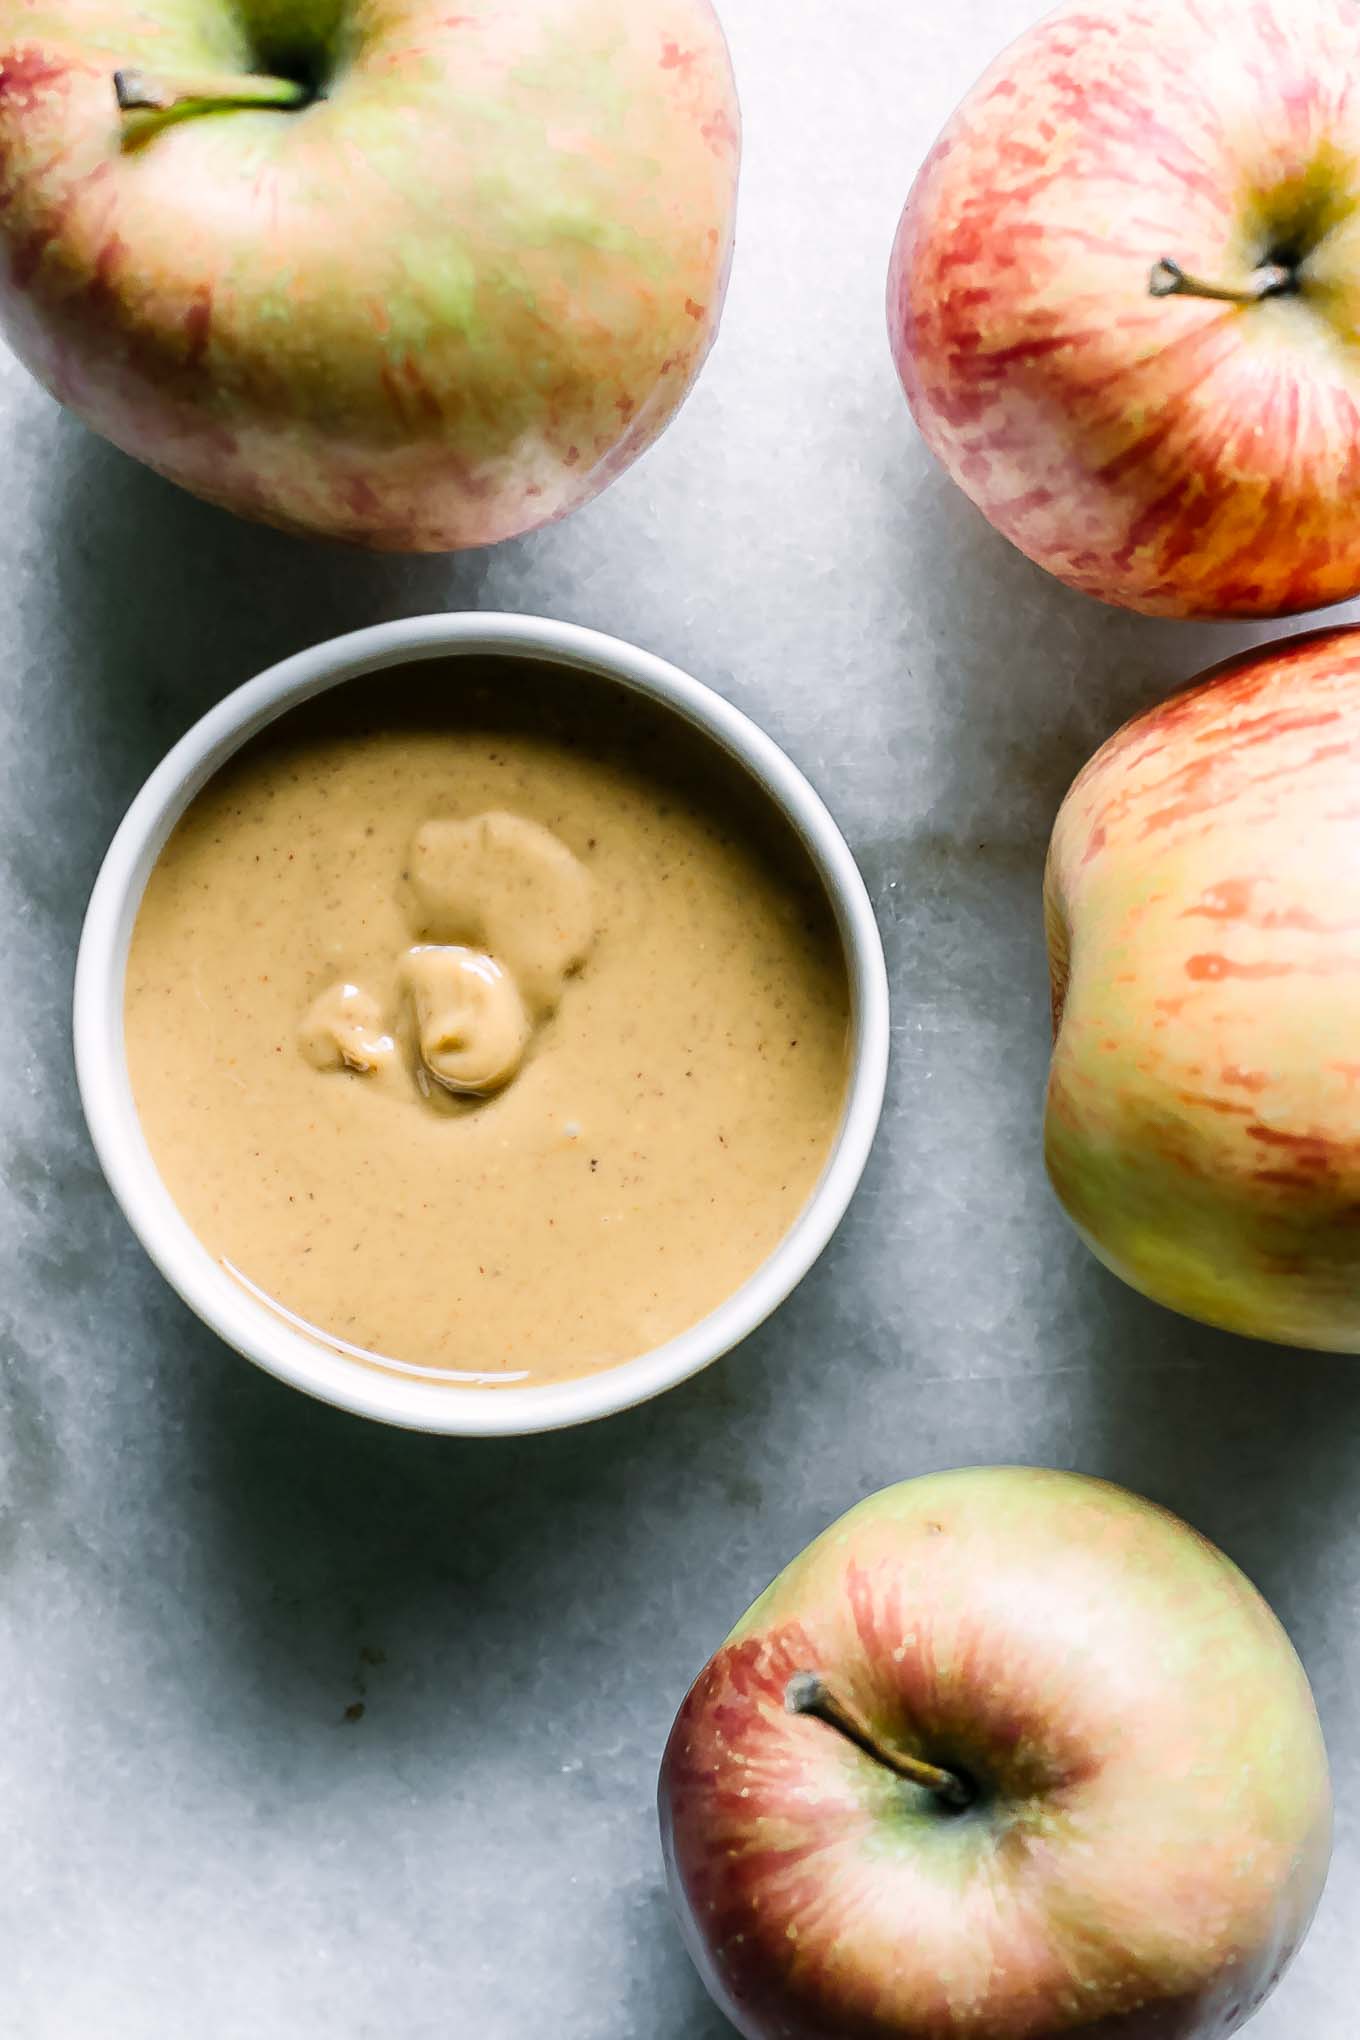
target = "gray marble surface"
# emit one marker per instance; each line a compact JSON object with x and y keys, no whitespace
{"x":200,"y":1571}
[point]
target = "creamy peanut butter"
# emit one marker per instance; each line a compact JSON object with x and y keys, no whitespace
{"x":485,"y":1021}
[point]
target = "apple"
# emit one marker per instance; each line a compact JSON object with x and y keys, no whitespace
{"x":1203,"y":911}
{"x":415,"y":276}
{"x":1004,"y":1755}
{"x":1123,"y":300}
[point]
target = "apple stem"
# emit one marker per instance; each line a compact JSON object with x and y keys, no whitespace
{"x":808,"y":1693}
{"x":203,"y":92}
{"x":1168,"y":279}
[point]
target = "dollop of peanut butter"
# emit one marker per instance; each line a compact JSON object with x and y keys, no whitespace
{"x":510,"y":888}
{"x":471,"y":1025}
{"x":343,"y":1029}
{"x":503,"y":914}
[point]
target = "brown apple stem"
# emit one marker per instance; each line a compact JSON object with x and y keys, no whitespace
{"x":808,"y":1693}
{"x":1168,"y":279}
{"x":202,"y":92}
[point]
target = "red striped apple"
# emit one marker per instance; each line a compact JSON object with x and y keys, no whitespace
{"x":1004,"y":1755}
{"x":417,"y":276}
{"x":1124,"y":299}
{"x":1203,"y":908}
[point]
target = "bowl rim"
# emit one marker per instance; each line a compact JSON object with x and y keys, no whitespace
{"x":105,"y":1088}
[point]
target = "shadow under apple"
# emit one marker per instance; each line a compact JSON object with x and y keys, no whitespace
{"x":1010,"y":682}
{"x":168,"y":603}
{"x":1024,"y":678}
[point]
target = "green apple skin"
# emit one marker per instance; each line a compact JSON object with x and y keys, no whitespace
{"x":442,"y":303}
{"x":1152,"y":1825}
{"x":1202,"y":901}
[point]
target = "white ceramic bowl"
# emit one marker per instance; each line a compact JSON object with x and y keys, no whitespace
{"x":106,"y":1092}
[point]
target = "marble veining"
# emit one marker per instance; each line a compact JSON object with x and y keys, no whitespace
{"x":313,"y":1729}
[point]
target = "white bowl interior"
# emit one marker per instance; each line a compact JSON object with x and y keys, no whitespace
{"x":106,"y":1092}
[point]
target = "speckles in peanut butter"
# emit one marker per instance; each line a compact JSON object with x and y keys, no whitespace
{"x":677,"y":1098}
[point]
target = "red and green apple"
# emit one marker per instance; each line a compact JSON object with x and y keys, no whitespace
{"x":1203,"y":910}
{"x":1004,"y":1755}
{"x":1124,"y":301}
{"x":416,"y":276}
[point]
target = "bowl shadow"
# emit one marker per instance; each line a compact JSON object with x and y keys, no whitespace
{"x":475,"y":1569}
{"x":415,"y":1606}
